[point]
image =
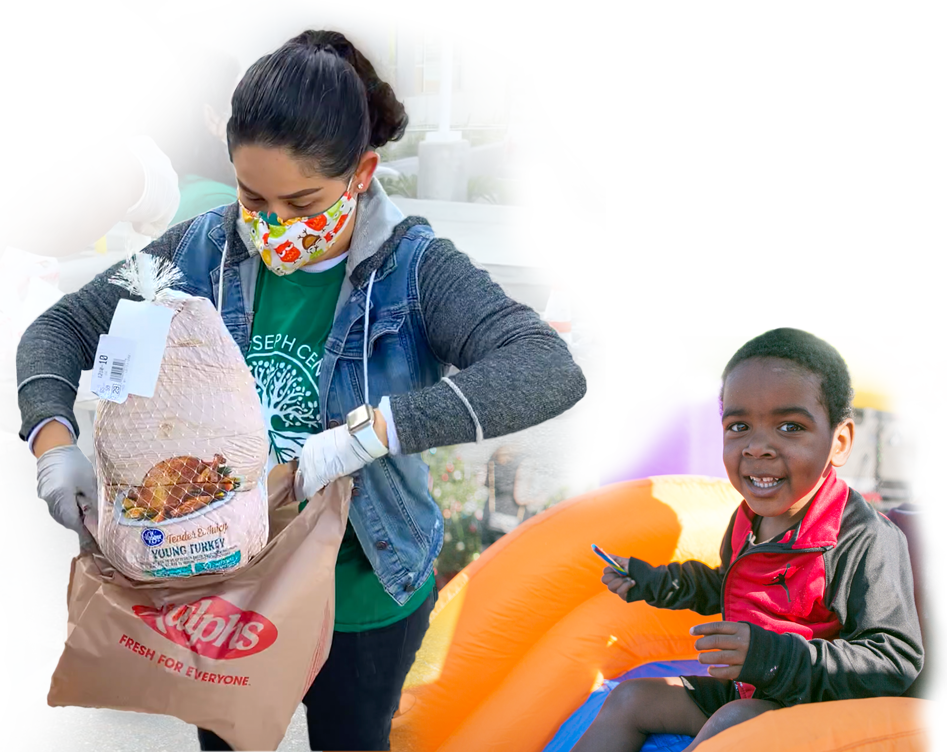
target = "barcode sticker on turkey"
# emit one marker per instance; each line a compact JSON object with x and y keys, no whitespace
{"x":113,"y":358}
{"x":148,"y":325}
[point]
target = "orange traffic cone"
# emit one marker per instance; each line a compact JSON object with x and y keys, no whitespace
{"x":559,"y":309}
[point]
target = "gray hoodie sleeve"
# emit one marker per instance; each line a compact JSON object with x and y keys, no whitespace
{"x":61,"y":343}
{"x":515,"y":370}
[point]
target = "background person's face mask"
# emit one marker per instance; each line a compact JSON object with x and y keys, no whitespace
{"x":287,"y":245}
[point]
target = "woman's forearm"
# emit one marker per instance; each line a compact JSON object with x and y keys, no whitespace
{"x":61,"y":343}
{"x":53,"y":434}
{"x":515,"y":370}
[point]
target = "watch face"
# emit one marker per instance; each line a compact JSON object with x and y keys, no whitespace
{"x":359,"y":418}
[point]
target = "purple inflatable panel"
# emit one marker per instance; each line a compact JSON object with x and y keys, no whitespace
{"x":668,"y":430}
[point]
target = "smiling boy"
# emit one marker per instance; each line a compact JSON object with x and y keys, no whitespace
{"x":815,"y":587}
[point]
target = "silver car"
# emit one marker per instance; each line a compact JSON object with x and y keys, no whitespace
{"x":561,"y":151}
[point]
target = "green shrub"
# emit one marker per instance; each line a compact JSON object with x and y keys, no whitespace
{"x":481,"y":187}
{"x":402,"y":185}
{"x":461,"y":500}
{"x":410,"y":144}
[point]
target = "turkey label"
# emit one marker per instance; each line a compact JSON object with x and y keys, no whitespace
{"x":174,"y":490}
{"x":181,"y":474}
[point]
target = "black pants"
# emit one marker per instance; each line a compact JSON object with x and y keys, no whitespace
{"x":354,"y":697}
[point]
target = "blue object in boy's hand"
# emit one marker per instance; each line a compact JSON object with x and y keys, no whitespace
{"x":610,"y":561}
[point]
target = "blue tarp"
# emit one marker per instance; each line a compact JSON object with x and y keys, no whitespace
{"x":571,"y":731}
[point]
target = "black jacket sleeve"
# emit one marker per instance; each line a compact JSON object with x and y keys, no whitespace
{"x":689,"y":584}
{"x":878,"y":651}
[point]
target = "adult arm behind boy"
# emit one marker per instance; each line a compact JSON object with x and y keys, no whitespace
{"x":878,"y":651}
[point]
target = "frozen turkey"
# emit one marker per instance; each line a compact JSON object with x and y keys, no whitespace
{"x":182,"y":474}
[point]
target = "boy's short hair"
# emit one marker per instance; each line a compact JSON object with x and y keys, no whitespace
{"x":809,"y":352}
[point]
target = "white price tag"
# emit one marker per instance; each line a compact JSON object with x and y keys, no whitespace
{"x":147,"y":325}
{"x":113,"y":359}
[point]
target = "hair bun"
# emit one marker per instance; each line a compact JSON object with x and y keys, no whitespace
{"x":389,"y":115}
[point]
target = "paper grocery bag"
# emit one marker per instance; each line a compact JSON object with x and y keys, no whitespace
{"x":232,"y":653}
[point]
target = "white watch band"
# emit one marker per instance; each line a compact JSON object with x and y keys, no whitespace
{"x":370,"y":442}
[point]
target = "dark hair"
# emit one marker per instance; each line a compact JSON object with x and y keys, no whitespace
{"x":186,"y":76}
{"x":321,"y":99}
{"x":812,"y":354}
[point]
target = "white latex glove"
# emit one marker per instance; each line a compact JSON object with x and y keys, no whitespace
{"x":66,"y":482}
{"x":326,"y":457}
{"x":159,"y":201}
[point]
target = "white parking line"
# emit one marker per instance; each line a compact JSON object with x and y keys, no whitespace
{"x":25,"y":694}
{"x":30,"y":631}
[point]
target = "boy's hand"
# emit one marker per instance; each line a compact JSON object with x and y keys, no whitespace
{"x":618,"y":583}
{"x":727,"y":642}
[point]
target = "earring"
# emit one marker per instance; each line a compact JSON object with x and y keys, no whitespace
{"x":361,"y":186}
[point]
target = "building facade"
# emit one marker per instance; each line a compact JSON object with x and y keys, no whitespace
{"x":99,"y":51}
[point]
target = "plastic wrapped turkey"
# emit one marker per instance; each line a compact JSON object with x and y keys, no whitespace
{"x":181,"y":474}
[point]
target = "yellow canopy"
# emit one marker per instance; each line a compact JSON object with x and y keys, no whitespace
{"x":897,"y":374}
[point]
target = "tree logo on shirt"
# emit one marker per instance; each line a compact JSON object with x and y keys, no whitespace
{"x":290,"y":399}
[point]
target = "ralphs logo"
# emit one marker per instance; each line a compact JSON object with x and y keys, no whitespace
{"x":211,"y":627}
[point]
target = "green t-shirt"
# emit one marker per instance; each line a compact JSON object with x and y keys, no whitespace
{"x":199,"y":195}
{"x":11,"y":100}
{"x":293,"y":315}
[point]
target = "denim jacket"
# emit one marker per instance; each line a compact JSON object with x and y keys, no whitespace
{"x":431,"y":308}
{"x":399,"y":525}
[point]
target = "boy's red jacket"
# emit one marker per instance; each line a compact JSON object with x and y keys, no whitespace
{"x":830,"y":604}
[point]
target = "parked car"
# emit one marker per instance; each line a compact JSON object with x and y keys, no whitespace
{"x":560,"y":151}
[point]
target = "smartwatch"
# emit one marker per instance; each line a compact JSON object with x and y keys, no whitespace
{"x":361,"y":425}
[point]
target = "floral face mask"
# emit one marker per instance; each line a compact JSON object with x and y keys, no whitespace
{"x":287,"y":245}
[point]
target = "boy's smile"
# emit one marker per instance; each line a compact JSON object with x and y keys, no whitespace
{"x":778,"y":443}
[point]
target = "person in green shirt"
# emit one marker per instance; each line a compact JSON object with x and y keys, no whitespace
{"x":293,"y":317}
{"x":67,"y":176}
{"x":184,"y":110}
{"x":349,"y":315}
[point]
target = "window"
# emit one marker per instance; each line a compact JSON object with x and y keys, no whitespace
{"x":595,"y":129}
{"x":67,"y":48}
{"x":429,"y":31}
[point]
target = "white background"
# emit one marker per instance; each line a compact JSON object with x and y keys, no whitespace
{"x":775,"y":163}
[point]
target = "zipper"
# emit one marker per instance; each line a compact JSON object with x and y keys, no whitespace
{"x":762,"y":549}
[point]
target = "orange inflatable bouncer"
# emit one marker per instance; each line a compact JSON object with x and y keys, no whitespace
{"x":522,"y":636}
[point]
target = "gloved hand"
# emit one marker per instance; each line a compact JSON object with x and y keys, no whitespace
{"x":66,"y":482}
{"x":326,"y":457}
{"x":161,"y":196}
